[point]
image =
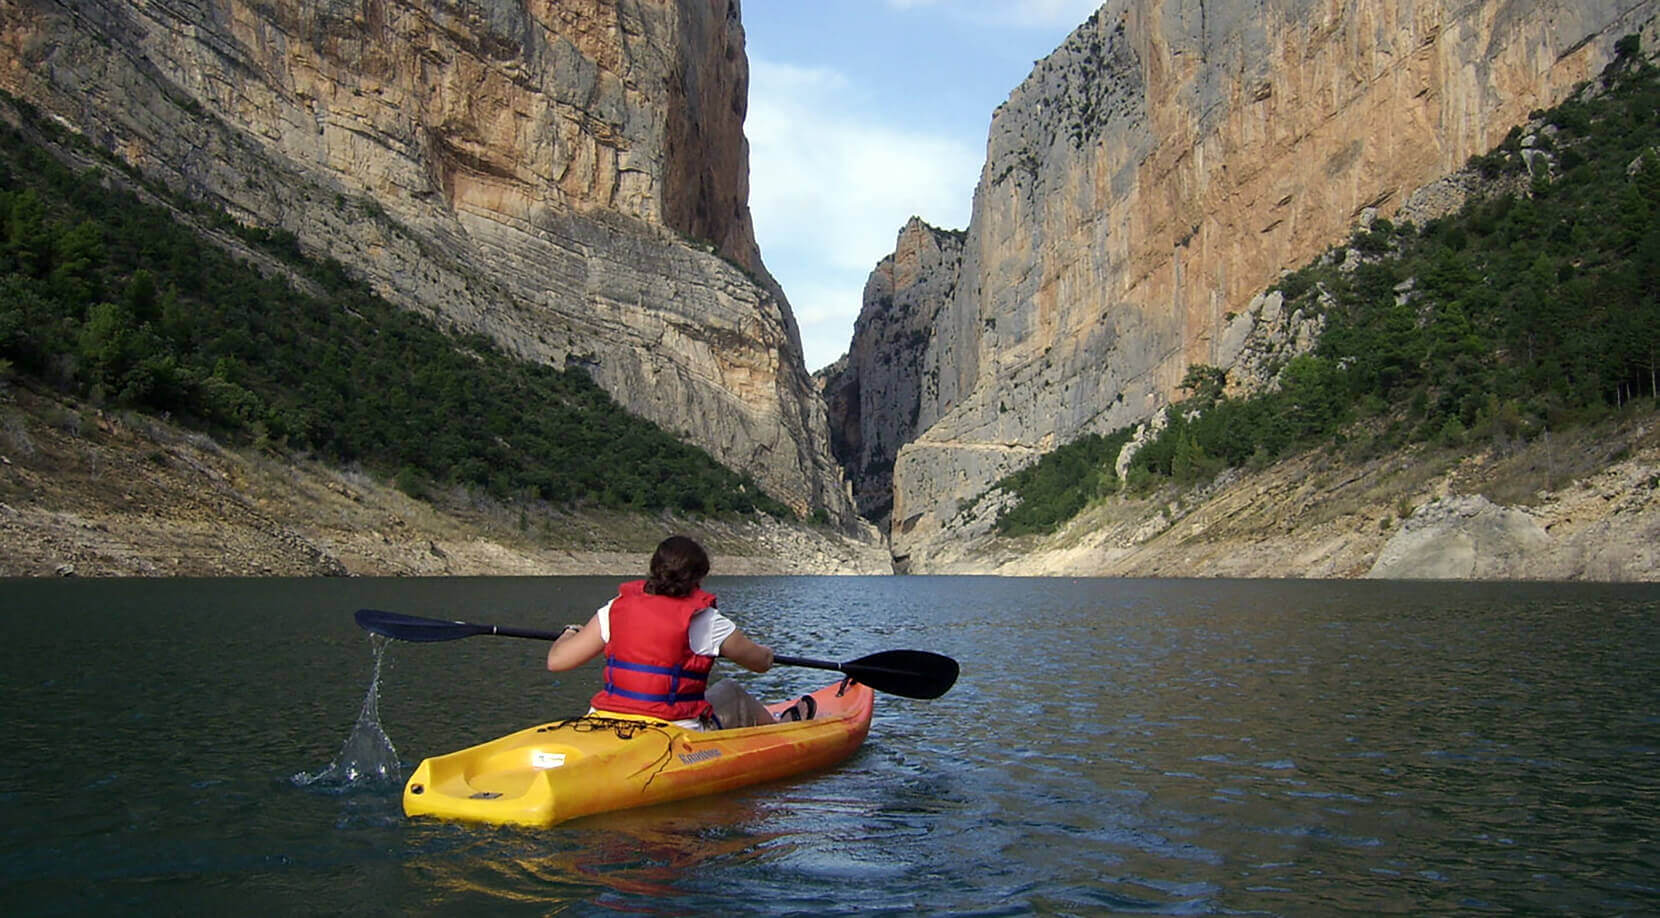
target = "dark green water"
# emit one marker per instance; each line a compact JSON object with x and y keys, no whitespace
{"x":1158,"y":746}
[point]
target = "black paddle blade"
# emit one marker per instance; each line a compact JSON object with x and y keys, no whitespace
{"x":414,"y":628}
{"x":911,"y":673}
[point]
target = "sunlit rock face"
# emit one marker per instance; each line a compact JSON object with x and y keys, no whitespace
{"x":568,"y":177}
{"x":1153,"y":176}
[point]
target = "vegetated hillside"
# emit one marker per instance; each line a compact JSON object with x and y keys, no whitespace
{"x":94,"y":492}
{"x":1521,"y":315}
{"x":109,"y":296}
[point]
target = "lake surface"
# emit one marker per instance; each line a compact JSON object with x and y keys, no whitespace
{"x":1188,"y":747}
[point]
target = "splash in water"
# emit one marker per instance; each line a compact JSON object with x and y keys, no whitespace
{"x":367,"y":758}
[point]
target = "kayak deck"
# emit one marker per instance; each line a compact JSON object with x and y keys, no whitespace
{"x":557,"y":771}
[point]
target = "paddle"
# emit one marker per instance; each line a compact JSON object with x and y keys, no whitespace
{"x":402,"y":627}
{"x":910,"y":673}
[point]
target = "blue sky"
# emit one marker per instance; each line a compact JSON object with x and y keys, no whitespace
{"x":863,"y":113}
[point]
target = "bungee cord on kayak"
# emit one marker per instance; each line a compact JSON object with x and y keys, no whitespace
{"x":588,"y":723}
{"x":623,"y":729}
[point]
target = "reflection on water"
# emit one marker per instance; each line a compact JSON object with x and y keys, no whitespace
{"x":1155,"y":746}
{"x":630,"y":856}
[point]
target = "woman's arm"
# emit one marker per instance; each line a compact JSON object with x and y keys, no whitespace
{"x":746,"y":653}
{"x":576,"y":646}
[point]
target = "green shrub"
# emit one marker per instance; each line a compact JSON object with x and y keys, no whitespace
{"x":1063,"y":482}
{"x":410,"y":481}
{"x":1451,"y":433}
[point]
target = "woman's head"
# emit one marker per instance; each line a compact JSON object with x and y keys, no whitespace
{"x":677,"y":567}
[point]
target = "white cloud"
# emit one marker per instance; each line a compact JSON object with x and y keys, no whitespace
{"x":789,"y":80}
{"x":825,"y":303}
{"x":830,"y":187}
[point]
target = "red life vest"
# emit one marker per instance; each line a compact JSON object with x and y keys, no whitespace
{"x":649,"y":664}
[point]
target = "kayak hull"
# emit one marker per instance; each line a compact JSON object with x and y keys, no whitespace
{"x":545,"y":775}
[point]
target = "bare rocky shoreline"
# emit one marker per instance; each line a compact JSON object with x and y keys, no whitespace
{"x":91,"y":493}
{"x":1578,"y":507}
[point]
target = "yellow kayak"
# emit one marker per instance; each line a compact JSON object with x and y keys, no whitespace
{"x":546,"y":775}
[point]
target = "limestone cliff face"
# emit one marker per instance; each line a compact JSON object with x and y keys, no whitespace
{"x":874,"y":392}
{"x":1159,"y":169}
{"x":569,"y":177}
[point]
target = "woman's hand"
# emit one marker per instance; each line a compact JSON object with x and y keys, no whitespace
{"x":576,"y":645}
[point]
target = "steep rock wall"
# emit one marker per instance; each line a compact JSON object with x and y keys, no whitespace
{"x":1164,"y":165}
{"x":875,"y":390}
{"x":569,"y":177}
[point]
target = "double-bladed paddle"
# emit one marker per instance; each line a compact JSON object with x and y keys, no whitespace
{"x":910,"y":673}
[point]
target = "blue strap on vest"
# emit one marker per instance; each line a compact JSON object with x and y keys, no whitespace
{"x":675,"y":674}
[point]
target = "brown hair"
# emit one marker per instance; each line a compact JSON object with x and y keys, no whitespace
{"x":677,"y":567}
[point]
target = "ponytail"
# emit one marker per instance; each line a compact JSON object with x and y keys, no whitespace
{"x":677,"y":567}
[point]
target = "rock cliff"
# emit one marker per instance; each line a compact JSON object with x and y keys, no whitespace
{"x":569,"y":178}
{"x":1156,"y":173}
{"x":875,"y":390}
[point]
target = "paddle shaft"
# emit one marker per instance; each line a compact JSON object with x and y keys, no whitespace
{"x":524,"y":633}
{"x":782,"y":660}
{"x":913,"y":673}
{"x":778,"y":659}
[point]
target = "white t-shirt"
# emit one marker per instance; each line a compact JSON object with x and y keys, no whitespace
{"x":708,"y":630}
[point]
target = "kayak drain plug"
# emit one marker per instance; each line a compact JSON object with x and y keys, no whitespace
{"x":417,"y":789}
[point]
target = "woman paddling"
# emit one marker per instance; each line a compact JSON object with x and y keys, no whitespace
{"x":660,"y":636}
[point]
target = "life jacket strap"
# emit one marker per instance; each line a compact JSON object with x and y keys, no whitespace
{"x":675,"y":673}
{"x":647,"y":696}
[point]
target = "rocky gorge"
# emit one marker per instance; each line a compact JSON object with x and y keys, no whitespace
{"x":1143,"y":188}
{"x":569,"y":180}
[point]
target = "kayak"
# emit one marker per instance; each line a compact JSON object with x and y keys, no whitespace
{"x":545,"y":775}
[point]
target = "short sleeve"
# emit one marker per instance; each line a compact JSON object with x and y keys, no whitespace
{"x":709,"y":629}
{"x":604,"y":616}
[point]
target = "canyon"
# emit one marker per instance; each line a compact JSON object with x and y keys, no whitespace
{"x":570,"y":180}
{"x":1143,"y":189}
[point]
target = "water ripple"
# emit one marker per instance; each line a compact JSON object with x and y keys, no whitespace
{"x":1164,"y":747}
